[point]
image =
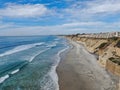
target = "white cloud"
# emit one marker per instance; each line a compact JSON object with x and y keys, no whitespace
{"x":25,"y":10}
{"x":80,"y":17}
{"x":69,"y":28}
{"x":90,"y":9}
{"x":5,"y":25}
{"x":107,"y":7}
{"x":83,"y":24}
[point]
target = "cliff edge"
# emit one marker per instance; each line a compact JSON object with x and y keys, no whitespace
{"x":107,"y":50}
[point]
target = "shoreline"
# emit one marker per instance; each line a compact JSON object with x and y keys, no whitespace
{"x":80,"y":71}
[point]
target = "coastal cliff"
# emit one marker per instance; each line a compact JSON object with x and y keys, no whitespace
{"x":107,"y":49}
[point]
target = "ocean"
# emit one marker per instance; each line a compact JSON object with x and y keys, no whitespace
{"x":29,"y":63}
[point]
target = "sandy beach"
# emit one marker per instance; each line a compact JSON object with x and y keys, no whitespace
{"x":79,"y":70}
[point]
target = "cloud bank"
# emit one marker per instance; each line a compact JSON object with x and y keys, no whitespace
{"x":69,"y":28}
{"x":25,"y":10}
{"x":76,"y":17}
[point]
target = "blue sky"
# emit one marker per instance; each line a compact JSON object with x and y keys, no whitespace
{"x":50,"y":17}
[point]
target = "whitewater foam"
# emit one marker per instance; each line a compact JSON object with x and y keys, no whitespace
{"x":20,"y":48}
{"x":37,"y":54}
{"x":57,"y":39}
{"x":52,"y":44}
{"x":53,"y":73}
{"x":2,"y":79}
{"x":15,"y":71}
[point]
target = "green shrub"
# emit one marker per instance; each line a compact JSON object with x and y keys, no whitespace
{"x":118,"y":44}
{"x":115,"y":60}
{"x":102,"y":45}
{"x":114,"y":38}
{"x":111,"y":58}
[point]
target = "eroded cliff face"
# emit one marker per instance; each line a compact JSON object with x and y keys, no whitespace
{"x":106,"y":49}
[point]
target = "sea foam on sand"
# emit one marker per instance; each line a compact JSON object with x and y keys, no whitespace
{"x":53,"y":73}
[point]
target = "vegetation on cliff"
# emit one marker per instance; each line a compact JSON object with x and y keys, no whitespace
{"x":118,"y":44}
{"x":114,"y":38}
{"x":115,"y":60}
{"x":103,"y":45}
{"x":107,"y":49}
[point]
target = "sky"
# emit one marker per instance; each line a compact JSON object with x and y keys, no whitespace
{"x":53,"y":17}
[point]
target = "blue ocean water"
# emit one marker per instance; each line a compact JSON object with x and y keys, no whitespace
{"x":29,"y":63}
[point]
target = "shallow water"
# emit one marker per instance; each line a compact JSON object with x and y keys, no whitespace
{"x":29,"y":63}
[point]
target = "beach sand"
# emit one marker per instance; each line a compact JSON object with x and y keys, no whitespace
{"x":79,"y":70}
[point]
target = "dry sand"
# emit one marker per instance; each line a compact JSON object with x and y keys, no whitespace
{"x":79,"y":70}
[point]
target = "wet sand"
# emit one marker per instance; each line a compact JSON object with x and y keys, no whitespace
{"x":79,"y":70}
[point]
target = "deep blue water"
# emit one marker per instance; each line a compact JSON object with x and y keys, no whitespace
{"x":29,"y":63}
